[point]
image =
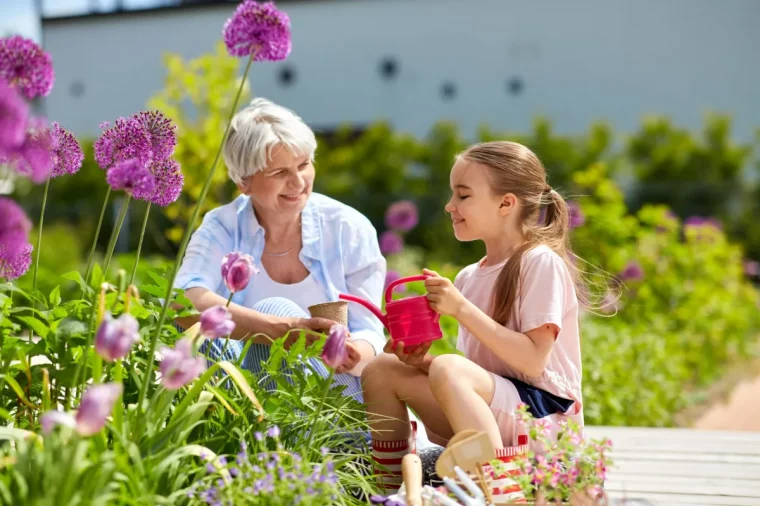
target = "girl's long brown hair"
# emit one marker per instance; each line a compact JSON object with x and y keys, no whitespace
{"x":513,"y":168}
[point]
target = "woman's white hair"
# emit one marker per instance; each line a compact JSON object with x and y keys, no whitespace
{"x":256,"y":130}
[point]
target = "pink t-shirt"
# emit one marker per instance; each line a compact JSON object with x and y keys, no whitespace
{"x":547,"y":295}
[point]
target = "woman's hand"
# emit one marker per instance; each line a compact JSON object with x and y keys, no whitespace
{"x":353,"y":357}
{"x":313,"y":327}
{"x":443,"y":296}
{"x":416,"y":356}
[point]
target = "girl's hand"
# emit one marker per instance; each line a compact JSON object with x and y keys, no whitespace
{"x":443,"y":296}
{"x":353,"y":357}
{"x":416,"y":356}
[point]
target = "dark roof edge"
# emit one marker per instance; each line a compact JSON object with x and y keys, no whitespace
{"x":151,"y":10}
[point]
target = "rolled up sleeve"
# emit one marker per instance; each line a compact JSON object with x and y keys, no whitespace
{"x":201,"y":266}
{"x":365,"y":278}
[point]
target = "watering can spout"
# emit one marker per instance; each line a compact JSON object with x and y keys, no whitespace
{"x":375,"y":310}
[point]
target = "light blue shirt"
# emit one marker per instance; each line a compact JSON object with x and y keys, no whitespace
{"x":340,"y":249}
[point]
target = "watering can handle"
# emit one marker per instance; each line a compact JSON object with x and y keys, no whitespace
{"x":401,"y":281}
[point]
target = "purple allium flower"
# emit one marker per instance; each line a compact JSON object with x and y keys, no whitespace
{"x":15,"y":266}
{"x":632,"y":272}
{"x":67,"y":154}
{"x":216,"y":322}
{"x":125,"y":140}
{"x":237,"y":269}
{"x":52,"y":418}
{"x":14,"y":227}
{"x":259,"y":29}
{"x":699,"y":221}
{"x":169,"y":182}
{"x":391,"y":242}
{"x":24,"y":65}
{"x":14,"y":115}
{"x":180,"y":366}
{"x":334,"y":353}
{"x":273,"y":432}
{"x":751,"y":268}
{"x":401,"y":216}
{"x":97,"y":404}
{"x":576,"y":216}
{"x":162,"y":133}
{"x":115,"y":338}
{"x":390,"y":277}
{"x":132,"y":177}
{"x":34,"y":158}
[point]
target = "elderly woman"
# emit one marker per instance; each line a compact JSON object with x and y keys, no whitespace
{"x":308,"y":247}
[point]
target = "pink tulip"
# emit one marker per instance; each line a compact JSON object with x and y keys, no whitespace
{"x":334,"y":353}
{"x":97,"y":404}
{"x":115,"y":338}
{"x":52,"y":418}
{"x":237,"y":269}
{"x":180,"y":366}
{"x":216,"y":322}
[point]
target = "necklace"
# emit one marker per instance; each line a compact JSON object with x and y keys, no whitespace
{"x":279,"y":254}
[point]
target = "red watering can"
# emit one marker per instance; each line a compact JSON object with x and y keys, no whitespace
{"x":410,"y":321}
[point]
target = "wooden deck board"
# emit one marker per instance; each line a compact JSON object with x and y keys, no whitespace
{"x":662,"y":467}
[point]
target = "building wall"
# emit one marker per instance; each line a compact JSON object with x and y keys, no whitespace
{"x":576,"y":61}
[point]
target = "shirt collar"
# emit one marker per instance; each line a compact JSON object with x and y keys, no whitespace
{"x":311,"y":234}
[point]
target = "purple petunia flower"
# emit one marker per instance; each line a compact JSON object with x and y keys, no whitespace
{"x":132,"y":177}
{"x":576,"y":216}
{"x":67,"y":154}
{"x":162,"y":133}
{"x":97,"y":404}
{"x":401,"y":216}
{"x":15,"y":266}
{"x":14,"y":115}
{"x":25,"y":66}
{"x":126,"y":139}
{"x":34,"y":157}
{"x":391,"y":242}
{"x":632,"y":272}
{"x":14,"y":227}
{"x":180,"y":366}
{"x":169,"y":181}
{"x":258,"y":29}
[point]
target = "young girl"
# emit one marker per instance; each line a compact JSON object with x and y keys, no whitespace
{"x":518,"y":320}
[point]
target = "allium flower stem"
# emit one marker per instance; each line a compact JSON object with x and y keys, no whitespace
{"x":147,"y":378}
{"x":97,"y":234}
{"x":98,"y":363}
{"x":39,"y":235}
{"x":139,"y":244}
{"x":115,"y":233}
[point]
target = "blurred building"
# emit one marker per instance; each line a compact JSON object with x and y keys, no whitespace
{"x":414,"y":62}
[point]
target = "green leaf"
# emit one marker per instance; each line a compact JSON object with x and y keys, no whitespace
{"x":36,"y":325}
{"x":55,"y":297}
{"x":19,"y":392}
{"x":242,"y":384}
{"x":14,"y":434}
